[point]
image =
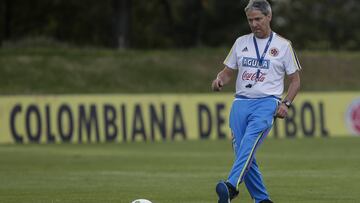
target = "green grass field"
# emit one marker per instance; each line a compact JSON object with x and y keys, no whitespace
{"x":295,"y":170}
{"x":72,"y":71}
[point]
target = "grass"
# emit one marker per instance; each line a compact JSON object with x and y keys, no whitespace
{"x":73,"y":70}
{"x":295,"y":171}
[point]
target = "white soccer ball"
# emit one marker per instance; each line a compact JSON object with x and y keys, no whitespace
{"x":141,"y":201}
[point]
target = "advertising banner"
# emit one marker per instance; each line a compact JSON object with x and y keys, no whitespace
{"x":162,"y":117}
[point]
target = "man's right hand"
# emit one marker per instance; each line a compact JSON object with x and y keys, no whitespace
{"x":217,"y":85}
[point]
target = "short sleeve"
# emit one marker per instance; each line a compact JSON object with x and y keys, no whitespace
{"x":231,"y":60}
{"x":291,"y":62}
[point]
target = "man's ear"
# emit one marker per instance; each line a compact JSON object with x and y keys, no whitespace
{"x":269,"y":16}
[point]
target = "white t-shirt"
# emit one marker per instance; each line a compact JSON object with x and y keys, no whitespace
{"x":279,"y":59}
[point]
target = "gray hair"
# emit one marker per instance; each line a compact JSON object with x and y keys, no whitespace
{"x":261,"y":5}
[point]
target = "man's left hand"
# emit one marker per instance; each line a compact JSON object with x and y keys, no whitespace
{"x":282,"y":111}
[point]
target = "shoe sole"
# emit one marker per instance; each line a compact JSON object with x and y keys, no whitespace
{"x":222,"y":192}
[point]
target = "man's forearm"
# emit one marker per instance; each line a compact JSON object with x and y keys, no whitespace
{"x":225,"y":76}
{"x":294,"y":87}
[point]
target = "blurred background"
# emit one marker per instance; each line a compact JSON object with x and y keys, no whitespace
{"x":169,"y":45}
{"x":320,"y":25}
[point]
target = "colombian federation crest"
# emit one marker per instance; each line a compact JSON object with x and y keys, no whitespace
{"x":274,"y":52}
{"x":353,"y":117}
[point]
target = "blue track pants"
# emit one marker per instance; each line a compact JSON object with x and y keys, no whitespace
{"x":250,"y":122}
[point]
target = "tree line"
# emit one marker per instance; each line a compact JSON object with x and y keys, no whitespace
{"x":322,"y":24}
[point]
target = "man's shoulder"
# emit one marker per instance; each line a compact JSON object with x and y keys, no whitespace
{"x":282,"y":40}
{"x":243,"y":38}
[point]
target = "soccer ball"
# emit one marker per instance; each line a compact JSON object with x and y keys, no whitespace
{"x":141,"y":201}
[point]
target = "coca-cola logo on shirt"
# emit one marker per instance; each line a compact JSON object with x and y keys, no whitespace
{"x":353,"y":117}
{"x":251,"y":76}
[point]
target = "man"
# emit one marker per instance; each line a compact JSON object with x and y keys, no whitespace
{"x":261,"y":60}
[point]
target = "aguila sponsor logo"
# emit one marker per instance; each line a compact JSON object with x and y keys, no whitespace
{"x":353,"y":117}
{"x":252,"y":76}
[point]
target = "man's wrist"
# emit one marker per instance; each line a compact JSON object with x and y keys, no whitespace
{"x":287,"y":103}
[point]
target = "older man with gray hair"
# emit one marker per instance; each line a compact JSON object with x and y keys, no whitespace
{"x":261,"y":60}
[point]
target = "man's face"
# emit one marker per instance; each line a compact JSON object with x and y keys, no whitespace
{"x":259,"y":23}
